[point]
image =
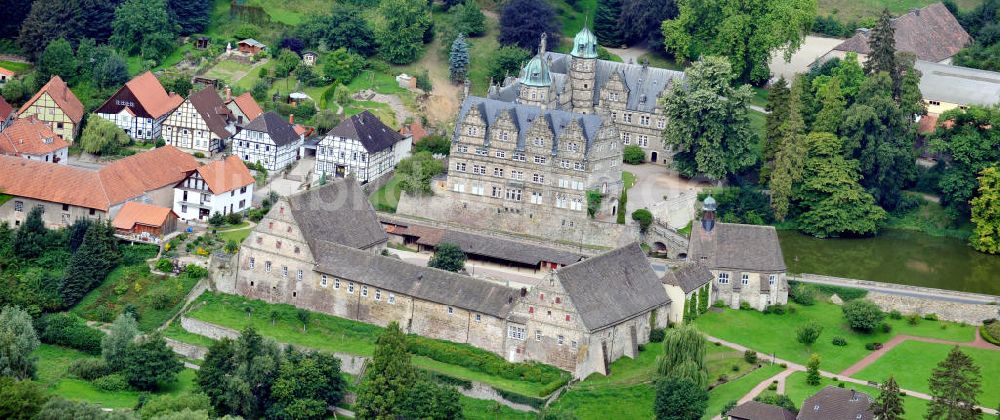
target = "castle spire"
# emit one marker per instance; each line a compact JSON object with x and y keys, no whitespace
{"x":541,"y":44}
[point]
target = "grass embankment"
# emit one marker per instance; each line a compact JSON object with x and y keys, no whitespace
{"x":912,"y":362}
{"x":772,"y":333}
{"x":846,"y":10}
{"x":14,"y":66}
{"x":474,"y":409}
{"x":53,"y":365}
{"x":386,"y":198}
{"x":733,"y":390}
{"x":330,"y":333}
{"x":574,"y":14}
{"x":930,"y":218}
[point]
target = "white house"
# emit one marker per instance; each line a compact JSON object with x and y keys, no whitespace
{"x":243,"y":107}
{"x":202,"y":123}
{"x":363,"y":146}
{"x":32,"y":139}
{"x":269,"y":140}
{"x":222,"y":186}
{"x":140,"y":107}
{"x":686,"y":285}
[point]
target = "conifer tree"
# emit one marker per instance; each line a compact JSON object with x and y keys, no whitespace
{"x":607,"y":23}
{"x":790,"y":154}
{"x":388,"y":377}
{"x":882,"y":43}
{"x":812,"y":370}
{"x":955,"y":385}
{"x":458,"y":60}
{"x":93,"y":260}
{"x":888,"y":405}
{"x":832,"y":107}
{"x":30,"y":240}
{"x":192,"y":16}
{"x":777,"y":113}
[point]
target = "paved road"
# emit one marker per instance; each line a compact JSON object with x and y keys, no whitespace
{"x":900,"y":290}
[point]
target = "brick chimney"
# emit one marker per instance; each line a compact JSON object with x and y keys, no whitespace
{"x":229,"y":93}
{"x":291,"y":119}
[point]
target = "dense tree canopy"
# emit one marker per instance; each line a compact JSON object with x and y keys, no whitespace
{"x":143,"y":27}
{"x":91,"y":263}
{"x":401,"y":32}
{"x":416,"y":172}
{"x":21,"y":400}
{"x":191,"y":16}
{"x":607,"y":23}
{"x":149,"y":363}
{"x":522,"y":23}
{"x":57,"y":60}
{"x":970,"y":143}
{"x":70,"y":19}
{"x":307,"y":381}
{"x":238,"y":376}
{"x":115,"y":346}
{"x":679,"y":399}
{"x":388,"y":378}
{"x":641,"y":20}
{"x":683,"y":356}
{"x":507,"y":61}
{"x":747,"y":33}
{"x":986,"y":212}
{"x":708,"y":123}
{"x":15,"y":11}
{"x":790,"y":150}
{"x":447,"y":256}
{"x":344,"y":27}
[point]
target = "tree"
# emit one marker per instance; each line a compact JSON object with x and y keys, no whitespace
{"x":955,"y":384}
{"x":401,"y":33}
{"x":812,"y":370}
{"x":345,"y":28}
{"x":70,"y":19}
{"x":342,"y":66}
{"x":20,"y":400}
{"x":679,"y":399}
{"x":96,"y":257}
{"x":143,"y":27}
{"x":684,"y":356}
{"x":458,"y":60}
{"x":633,"y":154}
{"x":211,"y":377}
{"x":469,"y":19}
{"x":416,"y":171}
{"x":448,"y":256}
{"x":808,"y":333}
{"x":435,"y":144}
{"x":192,"y":16}
{"x":307,"y":381}
{"x":30,"y":240}
{"x":427,"y":400}
{"x":832,"y":107}
{"x":238,"y":375}
{"x":15,"y":11}
{"x":102,"y":137}
{"x":970,"y":144}
{"x":830,"y":200}
{"x":789,"y":153}
{"x":888,"y":405}
{"x":217,"y":219}
{"x":594,"y":199}
{"x":644,"y":18}
{"x":57,"y":60}
{"x":303,"y":317}
{"x":863,"y":315}
{"x":880,"y":136}
{"x":708,"y":123}
{"x":986,"y":213}
{"x":17,"y":344}
{"x":58,"y":408}
{"x":522,"y":23}
{"x":778,"y":98}
{"x":115,"y":346}
{"x":780,"y":400}
{"x":746,"y":33}
{"x":607,"y":23}
{"x":882,"y":43}
{"x":150,"y":362}
{"x":165,"y":404}
{"x":645,"y":219}
{"x":507,"y":61}
{"x":387,"y":378}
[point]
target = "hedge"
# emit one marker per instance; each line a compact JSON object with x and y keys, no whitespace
{"x":483,"y":361}
{"x":845,"y":293}
{"x":991,"y":332}
{"x":64,"y":329}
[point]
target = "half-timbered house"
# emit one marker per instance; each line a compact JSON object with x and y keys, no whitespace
{"x":202,"y":123}
{"x":140,"y":107}
{"x":222,"y":186}
{"x":268,"y":140}
{"x":56,"y":105}
{"x":362,"y":146}
{"x":243,"y":107}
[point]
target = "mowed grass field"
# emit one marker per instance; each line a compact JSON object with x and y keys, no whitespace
{"x":847,"y":10}
{"x":798,"y":391}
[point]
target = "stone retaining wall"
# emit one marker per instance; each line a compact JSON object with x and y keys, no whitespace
{"x":968,"y":313}
{"x":190,"y":351}
{"x":481,"y":391}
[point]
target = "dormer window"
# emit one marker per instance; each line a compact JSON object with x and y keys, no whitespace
{"x":503,"y":135}
{"x":538,"y":142}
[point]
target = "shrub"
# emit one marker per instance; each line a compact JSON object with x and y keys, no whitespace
{"x":160,"y":299}
{"x":633,"y":155}
{"x":863,"y":315}
{"x":234,"y":218}
{"x":68,"y":330}
{"x":803,"y":294}
{"x":931,"y":317}
{"x":894,"y":314}
{"x":839,"y":341}
{"x":521,"y":399}
{"x":88,"y":369}
{"x":719,"y":303}
{"x":990,"y":332}
{"x":841,"y":385}
{"x":886,"y":328}
{"x":845,"y":293}
{"x":656,"y":335}
{"x":735,"y":368}
{"x":113,"y":382}
{"x":195,"y":271}
{"x":164,"y":265}
{"x":644,"y":217}
{"x":776,"y":309}
{"x":913,"y":319}
{"x":750,"y":356}
{"x":873,"y":346}
{"x":744,"y":305}
{"x":198,"y":155}
{"x":217,"y":219}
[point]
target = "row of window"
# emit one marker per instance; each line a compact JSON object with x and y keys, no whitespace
{"x":518,"y":333}
{"x":342,"y":154}
{"x":644,"y":120}
{"x":642,"y":140}
{"x":745,"y":279}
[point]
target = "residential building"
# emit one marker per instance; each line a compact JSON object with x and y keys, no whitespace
{"x":319,"y":250}
{"x":627,"y":94}
{"x":250,"y":46}
{"x":140,"y":107}
{"x":689,"y":287}
{"x":833,"y":403}
{"x":32,"y":139}
{"x":6,"y":76}
{"x":202,"y":123}
{"x":745,"y":260}
{"x":415,"y":131}
{"x":931,"y":34}
{"x":7,"y":114}
{"x":268,"y":140}
{"x":221,"y":186}
{"x":67,"y":193}
{"x":360,"y":146}
{"x":944,"y":87}
{"x":143,"y":222}
{"x":243,"y":107}
{"x":753,"y":410}
{"x":56,"y":105}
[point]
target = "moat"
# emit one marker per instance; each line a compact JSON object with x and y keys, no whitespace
{"x":895,"y":256}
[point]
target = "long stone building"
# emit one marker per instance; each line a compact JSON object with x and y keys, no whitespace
{"x":627,"y":94}
{"x":320,"y":250}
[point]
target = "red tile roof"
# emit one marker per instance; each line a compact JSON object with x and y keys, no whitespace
{"x":6,"y":72}
{"x":226,"y":175}
{"x":54,"y":183}
{"x":133,"y":213}
{"x":932,"y":34}
{"x":150,"y":93}
{"x":415,"y":130}
{"x":63,"y":97}
{"x":29,"y":136}
{"x":5,"y":109}
{"x":249,"y":106}
{"x":132,"y":176}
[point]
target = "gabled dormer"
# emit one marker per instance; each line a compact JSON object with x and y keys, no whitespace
{"x":473,"y":128}
{"x":538,"y":140}
{"x":503,"y":132}
{"x":572,"y":143}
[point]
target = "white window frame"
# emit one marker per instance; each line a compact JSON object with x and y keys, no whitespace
{"x":451,"y":310}
{"x":364,"y":291}
{"x":323,"y":281}
{"x":745,"y":279}
{"x":772,"y":279}
{"x":392,"y":299}
{"x":350,"y":287}
{"x":723,"y":278}
{"x":251,"y":263}
{"x":267,"y":266}
{"x":378,"y":294}
{"x":515,"y":332}
{"x":336,"y":283}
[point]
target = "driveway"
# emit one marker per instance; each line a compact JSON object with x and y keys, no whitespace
{"x":812,"y":48}
{"x":663,"y":192}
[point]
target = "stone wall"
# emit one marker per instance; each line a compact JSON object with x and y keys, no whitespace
{"x":373,"y":185}
{"x":968,"y":313}
{"x":190,"y":351}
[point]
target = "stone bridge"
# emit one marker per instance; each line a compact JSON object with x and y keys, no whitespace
{"x":666,"y":242}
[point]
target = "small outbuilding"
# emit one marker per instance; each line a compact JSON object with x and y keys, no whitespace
{"x":144,"y":222}
{"x":250,"y":46}
{"x":309,"y":58}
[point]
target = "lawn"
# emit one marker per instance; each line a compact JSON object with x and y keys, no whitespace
{"x":657,"y":60}
{"x":231,"y":71}
{"x":847,"y":10}
{"x":772,"y":333}
{"x":330,"y":333}
{"x":574,"y":14}
{"x":759,"y":97}
{"x":758,"y":121}
{"x":387,"y":197}
{"x":53,"y":362}
{"x":798,"y":391}
{"x":733,"y":390}
{"x":480,"y":52}
{"x":920,"y":359}
{"x":14,"y":66}
{"x":628,"y":178}
{"x":475,"y":409}
{"x":237,"y":235}
{"x":176,"y":332}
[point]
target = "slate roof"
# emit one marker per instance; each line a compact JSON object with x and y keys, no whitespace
{"x":150,"y":93}
{"x":731,"y":246}
{"x":833,"y":403}
{"x":688,"y":277}
{"x":29,"y":136}
{"x":612,"y":287}
{"x":280,"y":131}
{"x":226,"y":175}
{"x":211,"y":109}
{"x":367,"y":129}
{"x":958,"y":85}
{"x":425,"y":283}
{"x":63,"y":97}
{"x":337,"y":212}
{"x":524,"y":116}
{"x":753,"y":410}
{"x":133,"y":213}
{"x":931,"y":33}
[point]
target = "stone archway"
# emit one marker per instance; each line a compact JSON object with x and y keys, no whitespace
{"x":659,"y":247}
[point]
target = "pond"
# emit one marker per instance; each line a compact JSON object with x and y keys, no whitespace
{"x":895,"y":256}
